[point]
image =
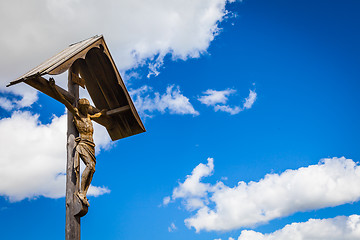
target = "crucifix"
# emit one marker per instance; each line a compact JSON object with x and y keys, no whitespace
{"x":89,"y":65}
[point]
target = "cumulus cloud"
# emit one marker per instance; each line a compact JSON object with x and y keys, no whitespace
{"x":6,"y":104}
{"x":33,"y":162}
{"x":218,"y":207}
{"x":173,"y":101}
{"x":10,"y":102}
{"x":101,"y":138}
{"x":138,"y":32}
{"x":192,"y":190}
{"x":219,"y":99}
{"x":344,"y":228}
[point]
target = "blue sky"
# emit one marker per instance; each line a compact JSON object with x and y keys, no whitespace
{"x":264,"y":93}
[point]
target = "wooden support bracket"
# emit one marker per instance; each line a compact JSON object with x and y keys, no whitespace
{"x":76,"y":79}
{"x":118,"y":110}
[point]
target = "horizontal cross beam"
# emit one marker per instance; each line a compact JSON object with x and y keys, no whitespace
{"x":42,"y":85}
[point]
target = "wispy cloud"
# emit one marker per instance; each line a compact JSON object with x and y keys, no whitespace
{"x":345,"y":228}
{"x":331,"y":182}
{"x":173,"y":101}
{"x":166,"y":200}
{"x":219,"y":100}
{"x":225,"y":108}
{"x":249,"y":101}
{"x":214,"y":97}
{"x":33,"y":162}
{"x":172,"y":227}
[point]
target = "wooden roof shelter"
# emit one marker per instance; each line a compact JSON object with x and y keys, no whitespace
{"x":90,"y":64}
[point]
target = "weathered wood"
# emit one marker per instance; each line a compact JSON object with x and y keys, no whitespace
{"x":42,"y":85}
{"x":76,"y":79}
{"x":91,"y":61}
{"x":118,"y":110}
{"x":94,"y":88}
{"x":91,"y":85}
{"x":80,"y":209}
{"x":102,"y":72}
{"x":90,"y":64}
{"x":72,"y":227}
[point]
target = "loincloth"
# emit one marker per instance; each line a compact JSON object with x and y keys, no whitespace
{"x":85,"y":149}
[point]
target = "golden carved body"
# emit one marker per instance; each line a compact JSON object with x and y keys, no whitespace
{"x":85,"y":147}
{"x":84,"y":126}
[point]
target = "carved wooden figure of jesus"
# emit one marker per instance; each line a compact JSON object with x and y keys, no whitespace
{"x":85,"y":146}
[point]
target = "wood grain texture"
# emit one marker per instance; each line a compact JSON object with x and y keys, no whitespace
{"x":72,"y":225}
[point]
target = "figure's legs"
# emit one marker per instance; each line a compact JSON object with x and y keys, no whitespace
{"x":86,"y":177}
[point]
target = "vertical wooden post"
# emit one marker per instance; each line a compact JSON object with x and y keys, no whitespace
{"x":72,"y":227}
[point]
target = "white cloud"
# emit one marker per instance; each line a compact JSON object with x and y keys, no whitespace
{"x":147,"y":101}
{"x":339,"y":228}
{"x":138,"y":32}
{"x":172,"y":227}
{"x":213,"y":97}
{"x":166,"y":200}
{"x":28,"y":97}
{"x":101,"y":138}
{"x":224,"y":108}
{"x":97,"y":191}
{"x":249,"y":101}
{"x":218,"y":207}
{"x":192,"y":190}
{"x":192,"y":187}
{"x":6,"y":104}
{"x":33,"y":157}
{"x":219,"y":99}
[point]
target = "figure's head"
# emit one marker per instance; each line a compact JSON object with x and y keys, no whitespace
{"x":83,"y":105}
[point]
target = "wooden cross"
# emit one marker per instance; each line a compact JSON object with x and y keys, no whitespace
{"x":89,"y":64}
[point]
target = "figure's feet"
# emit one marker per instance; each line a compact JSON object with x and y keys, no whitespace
{"x":83,"y":199}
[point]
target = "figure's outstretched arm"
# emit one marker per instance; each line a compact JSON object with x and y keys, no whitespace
{"x":67,"y":104}
{"x":99,"y":114}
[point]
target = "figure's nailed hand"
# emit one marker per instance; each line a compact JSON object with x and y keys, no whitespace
{"x":52,"y":82}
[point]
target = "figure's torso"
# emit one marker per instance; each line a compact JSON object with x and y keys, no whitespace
{"x":85,"y":127}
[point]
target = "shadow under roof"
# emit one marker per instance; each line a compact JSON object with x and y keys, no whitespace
{"x":90,"y":61}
